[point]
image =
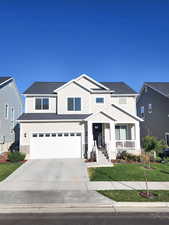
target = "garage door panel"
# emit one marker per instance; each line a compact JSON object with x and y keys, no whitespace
{"x":55,"y":147}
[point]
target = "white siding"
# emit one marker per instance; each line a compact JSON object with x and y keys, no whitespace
{"x":30,"y":105}
{"x":86,"y":83}
{"x":100,"y":106}
{"x":51,"y":127}
{"x":130,"y":105}
{"x":73,"y":90}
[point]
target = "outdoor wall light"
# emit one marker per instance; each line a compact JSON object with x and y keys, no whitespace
{"x":25,"y":135}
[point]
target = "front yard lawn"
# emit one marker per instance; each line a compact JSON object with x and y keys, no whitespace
{"x":7,"y":168}
{"x":130,"y":172}
{"x":133,"y":196}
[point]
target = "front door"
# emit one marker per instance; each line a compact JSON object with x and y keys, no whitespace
{"x":97,"y":134}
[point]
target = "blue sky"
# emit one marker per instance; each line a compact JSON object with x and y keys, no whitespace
{"x":110,"y":40}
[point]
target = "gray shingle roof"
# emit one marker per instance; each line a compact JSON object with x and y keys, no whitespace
{"x":3,"y":79}
{"x":119,"y":87}
{"x":43,"y":87}
{"x":49,"y":87}
{"x":52,"y":116}
{"x":162,"y":87}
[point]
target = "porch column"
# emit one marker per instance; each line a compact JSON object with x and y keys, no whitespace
{"x":137,"y":136}
{"x":112,"y":141}
{"x":89,"y":138}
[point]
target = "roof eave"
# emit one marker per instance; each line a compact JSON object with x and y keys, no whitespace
{"x":50,"y":120}
{"x":6,"y":81}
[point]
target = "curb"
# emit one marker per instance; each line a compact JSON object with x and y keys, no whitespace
{"x":142,"y":204}
{"x":85,"y":208}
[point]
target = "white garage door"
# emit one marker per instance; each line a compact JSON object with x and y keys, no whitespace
{"x":55,"y":145}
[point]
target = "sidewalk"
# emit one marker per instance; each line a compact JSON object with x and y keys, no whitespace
{"x":126,"y":185}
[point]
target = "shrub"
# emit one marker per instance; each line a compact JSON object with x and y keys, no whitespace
{"x":123,"y":155}
{"x":16,"y":156}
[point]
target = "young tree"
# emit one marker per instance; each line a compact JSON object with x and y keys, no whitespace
{"x":150,"y":144}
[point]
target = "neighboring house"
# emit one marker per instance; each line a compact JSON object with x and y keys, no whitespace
{"x":66,"y":120}
{"x":153,"y":107}
{"x":10,"y":110}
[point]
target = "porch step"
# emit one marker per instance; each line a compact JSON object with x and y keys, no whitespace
{"x":102,"y":158}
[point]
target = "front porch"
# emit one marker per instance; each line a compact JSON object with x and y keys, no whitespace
{"x":108,"y":137}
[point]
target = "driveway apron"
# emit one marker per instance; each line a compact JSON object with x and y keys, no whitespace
{"x":48,"y":174}
{"x":60,"y":181}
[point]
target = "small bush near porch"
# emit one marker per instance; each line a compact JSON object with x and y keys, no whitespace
{"x":130,"y":172}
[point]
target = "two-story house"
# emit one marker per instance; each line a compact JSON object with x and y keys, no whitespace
{"x":10,"y":110}
{"x":153,"y":107}
{"x":66,"y":119}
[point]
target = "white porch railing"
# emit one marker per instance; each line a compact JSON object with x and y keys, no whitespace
{"x":95,"y":149}
{"x":125,"y":144}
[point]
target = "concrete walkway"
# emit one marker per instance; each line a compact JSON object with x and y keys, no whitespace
{"x":126,"y":185}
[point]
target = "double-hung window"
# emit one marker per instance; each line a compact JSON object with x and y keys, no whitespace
{"x":6,"y":111}
{"x":142,"y":111}
{"x":41,"y":103}
{"x":12,"y":117}
{"x":74,"y":104}
{"x":122,"y":132}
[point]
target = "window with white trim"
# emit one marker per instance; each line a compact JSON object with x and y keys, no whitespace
{"x":42,"y":103}
{"x":142,"y":111}
{"x":99,"y":100}
{"x":150,"y":108}
{"x":6,"y":111}
{"x":74,"y":104}
{"x":12,"y":117}
{"x":123,"y":132}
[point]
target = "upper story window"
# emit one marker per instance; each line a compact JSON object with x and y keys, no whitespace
{"x":150,"y":108}
{"x":74,"y":104}
{"x":122,"y":100}
{"x":41,"y":103}
{"x":142,"y":111}
{"x":12,"y":119}
{"x":99,"y":100}
{"x":6,"y":111}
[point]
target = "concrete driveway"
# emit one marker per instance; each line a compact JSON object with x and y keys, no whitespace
{"x":60,"y":181}
{"x":48,"y":174}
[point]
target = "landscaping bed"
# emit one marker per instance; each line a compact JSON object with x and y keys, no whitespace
{"x":130,"y":172}
{"x":7,"y":168}
{"x":134,"y":195}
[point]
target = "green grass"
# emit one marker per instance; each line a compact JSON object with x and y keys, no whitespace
{"x":133,"y":196}
{"x":130,"y":172}
{"x":7,"y":168}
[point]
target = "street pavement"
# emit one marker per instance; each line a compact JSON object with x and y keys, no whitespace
{"x":85,"y":219}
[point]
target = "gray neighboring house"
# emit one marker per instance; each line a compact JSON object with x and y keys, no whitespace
{"x":153,"y":107}
{"x":10,"y":110}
